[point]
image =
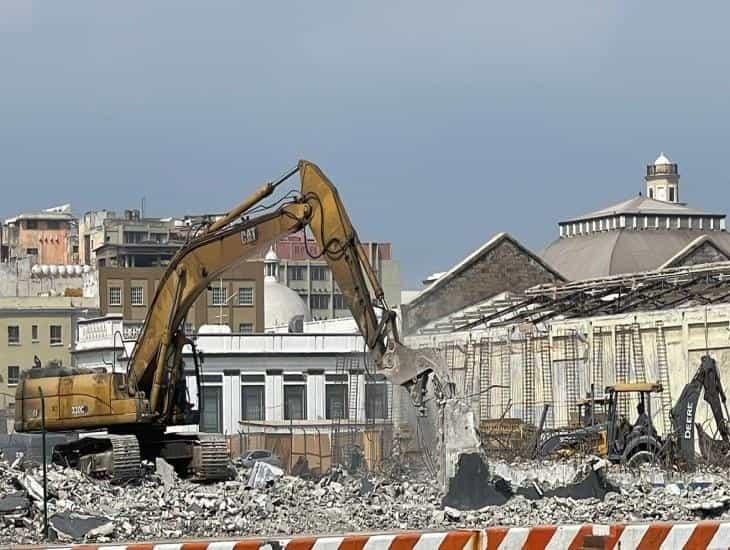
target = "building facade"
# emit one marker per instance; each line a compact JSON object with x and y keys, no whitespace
{"x":108,"y":240}
{"x":302,"y":270}
{"x":47,"y":236}
{"x":236,"y":299}
{"x":42,"y":327}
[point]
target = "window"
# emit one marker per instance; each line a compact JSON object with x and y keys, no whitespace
{"x":14,"y":335}
{"x":376,"y":400}
{"x":53,"y":224}
{"x":245,"y":328}
{"x":651,"y":193}
{"x":297,"y":272}
{"x":158,"y":237}
{"x":31,"y":251}
{"x":335,"y":401}
{"x":134,"y":237}
{"x":31,"y":224}
{"x":220,"y":294}
{"x":338,"y":301}
{"x":671,"y":194}
{"x":34,"y":333}
{"x":252,"y":401}
{"x":245,"y":296}
{"x":115,"y":296}
{"x":189,"y":329}
{"x":211,"y":419}
{"x":319,"y":273}
{"x":319,"y":301}
{"x":55,"y":335}
{"x":295,"y":402}
{"x":136,"y":294}
{"x":13,"y":375}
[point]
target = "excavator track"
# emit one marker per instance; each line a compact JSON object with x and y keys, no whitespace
{"x":213,"y":460}
{"x":126,"y":458}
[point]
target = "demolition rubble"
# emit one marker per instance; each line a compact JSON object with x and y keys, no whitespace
{"x":264,"y":501}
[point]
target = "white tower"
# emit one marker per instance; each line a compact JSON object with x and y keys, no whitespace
{"x":271,"y":264}
{"x":662,"y":180}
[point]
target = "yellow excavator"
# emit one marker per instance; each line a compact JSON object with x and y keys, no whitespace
{"x":136,"y":407}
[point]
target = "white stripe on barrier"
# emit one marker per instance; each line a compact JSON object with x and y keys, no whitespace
{"x":113,"y":548}
{"x":515,"y":538}
{"x":177,"y":546}
{"x":601,"y":530}
{"x":721,"y":538}
{"x":429,"y":541}
{"x":562,"y":537}
{"x":678,"y":536}
{"x":379,"y":542}
{"x":227,"y":545}
{"x":631,"y":537}
{"x":327,"y":543}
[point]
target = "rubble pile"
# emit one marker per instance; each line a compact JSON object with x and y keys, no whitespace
{"x":265,"y":501}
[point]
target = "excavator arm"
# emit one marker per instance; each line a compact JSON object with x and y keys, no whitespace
{"x":236,"y":237}
{"x":683,"y":414}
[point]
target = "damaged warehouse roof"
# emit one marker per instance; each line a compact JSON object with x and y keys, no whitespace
{"x":652,"y":290}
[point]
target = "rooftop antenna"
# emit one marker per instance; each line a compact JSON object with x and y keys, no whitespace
{"x":141,"y":207}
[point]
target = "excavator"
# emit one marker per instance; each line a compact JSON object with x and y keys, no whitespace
{"x":133,"y":410}
{"x":633,"y":445}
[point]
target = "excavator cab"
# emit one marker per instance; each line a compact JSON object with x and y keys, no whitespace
{"x":637,"y":442}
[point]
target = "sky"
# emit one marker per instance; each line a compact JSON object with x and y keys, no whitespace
{"x":441,"y":123}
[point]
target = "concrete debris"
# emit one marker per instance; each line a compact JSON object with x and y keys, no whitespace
{"x":69,"y":527}
{"x":166,"y":472}
{"x":14,"y":503}
{"x":262,"y":475}
{"x":84,"y":509}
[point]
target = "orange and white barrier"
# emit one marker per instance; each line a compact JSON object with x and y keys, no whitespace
{"x":703,"y":535}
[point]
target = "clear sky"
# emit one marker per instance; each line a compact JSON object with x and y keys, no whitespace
{"x":441,"y":123}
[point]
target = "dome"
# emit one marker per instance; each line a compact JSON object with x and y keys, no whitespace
{"x":282,"y":304}
{"x":662,"y":159}
{"x":214,"y":329}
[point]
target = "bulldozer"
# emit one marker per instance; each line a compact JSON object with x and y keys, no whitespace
{"x":133,"y":409}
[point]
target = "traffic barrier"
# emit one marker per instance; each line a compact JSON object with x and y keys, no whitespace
{"x":703,"y":535}
{"x":449,"y":540}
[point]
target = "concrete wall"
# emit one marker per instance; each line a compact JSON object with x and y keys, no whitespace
{"x":18,"y":279}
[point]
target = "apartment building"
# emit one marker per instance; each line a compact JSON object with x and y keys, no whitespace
{"x":236,"y":299}
{"x":48,"y":236}
{"x":37,"y":326}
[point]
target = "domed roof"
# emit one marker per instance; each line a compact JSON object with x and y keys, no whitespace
{"x":282,"y":304}
{"x":662,"y":159}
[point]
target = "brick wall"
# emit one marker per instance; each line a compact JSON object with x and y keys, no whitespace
{"x":505,"y":265}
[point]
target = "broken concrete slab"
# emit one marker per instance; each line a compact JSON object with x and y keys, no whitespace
{"x":13,"y":503}
{"x":263,"y":474}
{"x":166,"y":471}
{"x":71,"y":526}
